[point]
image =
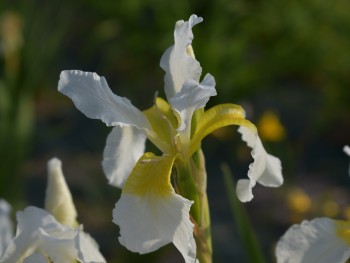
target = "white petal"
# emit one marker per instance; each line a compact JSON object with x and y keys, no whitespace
{"x":124,"y":146}
{"x":88,"y":250}
{"x":244,"y":190}
{"x":36,"y":258}
{"x":150,"y":222}
{"x":92,"y":96}
{"x":346,"y":149}
{"x":58,"y":200}
{"x":178,"y":65}
{"x":38,"y":230}
{"x":192,"y":96}
{"x":6,"y":228}
{"x":312,"y":241}
{"x":31,"y":223}
{"x":266,"y":169}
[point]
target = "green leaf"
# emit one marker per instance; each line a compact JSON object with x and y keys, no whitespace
{"x":244,"y":227}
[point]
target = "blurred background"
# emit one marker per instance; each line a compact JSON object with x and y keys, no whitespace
{"x":286,"y":62}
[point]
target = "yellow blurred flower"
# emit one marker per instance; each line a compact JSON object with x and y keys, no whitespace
{"x":270,"y":128}
{"x":298,"y":201}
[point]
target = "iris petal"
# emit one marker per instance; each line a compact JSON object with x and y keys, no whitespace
{"x":312,"y":241}
{"x":192,"y":96}
{"x":124,"y":146}
{"x":38,"y":231}
{"x":36,"y":258}
{"x":266,"y":169}
{"x":6,"y":231}
{"x":58,"y":200}
{"x":92,"y":96}
{"x":178,"y":65}
{"x":217,"y":117}
{"x":150,"y":214}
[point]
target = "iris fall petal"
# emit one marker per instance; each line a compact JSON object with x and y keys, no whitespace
{"x":266,"y":169}
{"x":150,"y":214}
{"x":92,"y":96}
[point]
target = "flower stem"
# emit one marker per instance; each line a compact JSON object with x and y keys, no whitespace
{"x":191,"y":183}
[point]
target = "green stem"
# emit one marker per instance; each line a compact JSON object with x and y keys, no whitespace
{"x":190,"y":183}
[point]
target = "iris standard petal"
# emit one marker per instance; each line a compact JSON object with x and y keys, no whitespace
{"x":312,"y":241}
{"x":266,"y":169}
{"x":124,"y":146}
{"x":150,"y":214}
{"x":58,"y":199}
{"x":92,"y":96}
{"x":192,"y":96}
{"x":178,"y":65}
{"x":6,"y":227}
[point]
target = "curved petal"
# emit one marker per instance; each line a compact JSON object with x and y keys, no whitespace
{"x":217,"y":117}
{"x":6,"y":228}
{"x":266,"y":169}
{"x":244,"y":189}
{"x":192,"y":96}
{"x":124,"y":146}
{"x":58,"y":200}
{"x":149,"y":196}
{"x":34,"y":228}
{"x":92,"y":96}
{"x":178,"y":65}
{"x":312,"y":241}
{"x":88,"y":250}
{"x":38,"y":231}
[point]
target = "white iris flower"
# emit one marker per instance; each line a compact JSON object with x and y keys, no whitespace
{"x":6,"y":231}
{"x":321,"y":240}
{"x":43,"y":237}
{"x":150,"y":212}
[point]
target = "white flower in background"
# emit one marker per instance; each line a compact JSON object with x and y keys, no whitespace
{"x":43,"y":237}
{"x":321,"y":240}
{"x":346,"y":149}
{"x":6,"y":231}
{"x":40,"y":235}
{"x":58,"y":200}
{"x":150,"y":212}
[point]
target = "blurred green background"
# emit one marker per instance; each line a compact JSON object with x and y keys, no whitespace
{"x":286,"y":62}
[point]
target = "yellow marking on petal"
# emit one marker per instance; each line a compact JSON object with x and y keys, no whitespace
{"x":189,"y":51}
{"x":151,"y":176}
{"x":165,"y":108}
{"x":343,"y":230}
{"x":270,"y":127}
{"x":163,"y":122}
{"x":217,"y":117}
